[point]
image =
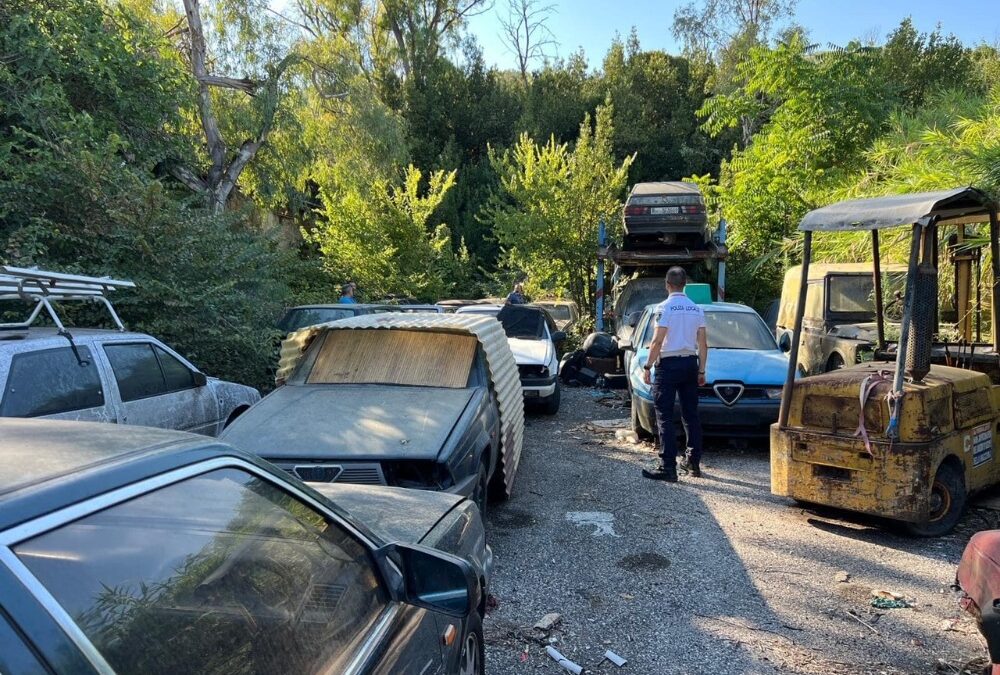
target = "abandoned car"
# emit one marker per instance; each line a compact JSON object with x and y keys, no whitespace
{"x":137,"y":550}
{"x":838,"y":327}
{"x":667,"y":212}
{"x":102,"y":375}
{"x":743,"y":379}
{"x":565,"y":313}
{"x":533,"y":338}
{"x":304,"y":316}
{"x":428,"y":401}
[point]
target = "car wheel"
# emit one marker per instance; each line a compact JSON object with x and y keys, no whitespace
{"x":947,"y":503}
{"x":637,"y":427}
{"x":481,"y":494}
{"x":836,"y":362}
{"x":550,"y":406}
{"x":473,"y":658}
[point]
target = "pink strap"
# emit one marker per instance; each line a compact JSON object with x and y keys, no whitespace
{"x":868,"y":385}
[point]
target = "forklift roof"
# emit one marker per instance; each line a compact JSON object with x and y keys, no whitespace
{"x":960,"y":205}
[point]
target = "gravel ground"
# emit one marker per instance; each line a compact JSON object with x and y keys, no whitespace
{"x":708,"y":575}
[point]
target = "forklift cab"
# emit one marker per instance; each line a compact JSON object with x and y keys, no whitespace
{"x":909,"y":435}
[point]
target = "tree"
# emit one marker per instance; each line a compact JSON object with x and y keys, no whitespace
{"x":551,"y":201}
{"x":419,"y":27}
{"x":525,"y":31}
{"x":709,"y":26}
{"x":224,"y":169}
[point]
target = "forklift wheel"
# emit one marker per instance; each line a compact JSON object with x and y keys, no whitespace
{"x":947,"y":503}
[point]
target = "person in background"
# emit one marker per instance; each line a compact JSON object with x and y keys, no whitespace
{"x":347,"y":293}
{"x":679,"y":352}
{"x":516,"y":296}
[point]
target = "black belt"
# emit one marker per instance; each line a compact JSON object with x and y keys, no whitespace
{"x":679,"y":356}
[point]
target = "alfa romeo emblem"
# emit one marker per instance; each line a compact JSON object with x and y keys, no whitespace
{"x":729,"y":393}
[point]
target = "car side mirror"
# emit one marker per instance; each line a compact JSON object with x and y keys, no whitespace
{"x":427,"y":578}
{"x":785,"y":342}
{"x":559,"y":336}
{"x":625,"y":345}
{"x":199,"y":378}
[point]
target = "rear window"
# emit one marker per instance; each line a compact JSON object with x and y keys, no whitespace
{"x":51,"y":381}
{"x":559,"y":312}
{"x":404,"y":357}
{"x":302,"y":318}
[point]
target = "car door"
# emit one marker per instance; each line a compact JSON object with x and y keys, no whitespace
{"x":58,"y":383}
{"x":157,"y":389}
{"x":220,"y":570}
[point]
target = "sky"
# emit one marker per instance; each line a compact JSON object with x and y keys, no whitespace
{"x":592,"y":24}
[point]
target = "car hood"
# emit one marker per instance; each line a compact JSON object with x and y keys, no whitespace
{"x":750,"y":366}
{"x":392,"y":514}
{"x":349,"y":422}
{"x":530,"y":352}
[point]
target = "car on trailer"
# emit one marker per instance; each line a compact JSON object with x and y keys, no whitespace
{"x":670,"y":212}
{"x":101,"y":375}
{"x":911,"y":434}
{"x":743,"y":380}
{"x":426,"y":401}
{"x":137,"y":550}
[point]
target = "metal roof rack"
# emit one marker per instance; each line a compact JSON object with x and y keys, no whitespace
{"x":42,"y":288}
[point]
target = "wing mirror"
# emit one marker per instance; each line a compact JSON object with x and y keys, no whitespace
{"x":625,"y":345}
{"x":785,"y":342}
{"x":559,"y":336}
{"x":199,"y":378}
{"x":427,"y":578}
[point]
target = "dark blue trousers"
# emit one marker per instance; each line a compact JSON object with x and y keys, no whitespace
{"x":677,"y":378}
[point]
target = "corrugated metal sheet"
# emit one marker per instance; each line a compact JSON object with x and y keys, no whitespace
{"x":486,"y":329}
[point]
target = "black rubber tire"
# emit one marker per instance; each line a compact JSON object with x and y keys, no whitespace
{"x":948,"y":500}
{"x":637,"y":427}
{"x":836,"y":362}
{"x":473,"y":640}
{"x":498,"y":489}
{"x":550,"y":405}
{"x":481,"y":495}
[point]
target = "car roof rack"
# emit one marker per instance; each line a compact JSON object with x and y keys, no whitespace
{"x":43,"y":288}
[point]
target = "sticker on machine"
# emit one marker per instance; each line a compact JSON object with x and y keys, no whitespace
{"x":982,"y":445}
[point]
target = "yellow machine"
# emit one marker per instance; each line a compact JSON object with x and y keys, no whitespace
{"x":910,"y":434}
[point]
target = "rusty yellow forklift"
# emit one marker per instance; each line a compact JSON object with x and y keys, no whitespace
{"x":909,"y":435}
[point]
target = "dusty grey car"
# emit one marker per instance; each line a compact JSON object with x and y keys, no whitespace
{"x":113,"y":376}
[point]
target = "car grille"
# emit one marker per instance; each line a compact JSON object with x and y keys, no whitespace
{"x":333,"y":472}
{"x":532,"y":371}
{"x":748,"y":392}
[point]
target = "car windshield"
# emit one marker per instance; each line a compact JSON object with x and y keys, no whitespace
{"x":522,"y":322}
{"x":854,"y":294}
{"x":728,"y":330}
{"x":559,"y":312}
{"x":310,"y":316}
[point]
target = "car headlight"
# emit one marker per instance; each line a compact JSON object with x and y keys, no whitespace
{"x":773,"y":393}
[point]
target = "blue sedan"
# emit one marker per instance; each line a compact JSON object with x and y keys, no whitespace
{"x":746,"y":370}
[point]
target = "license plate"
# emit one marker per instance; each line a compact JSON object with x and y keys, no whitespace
{"x":662,"y":210}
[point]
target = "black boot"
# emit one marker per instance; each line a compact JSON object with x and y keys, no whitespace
{"x":661,"y":472}
{"x":691,"y":467}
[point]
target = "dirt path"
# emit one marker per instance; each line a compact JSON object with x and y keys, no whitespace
{"x":710,"y":575}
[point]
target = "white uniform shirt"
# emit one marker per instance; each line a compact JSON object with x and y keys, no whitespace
{"x":682,"y":318}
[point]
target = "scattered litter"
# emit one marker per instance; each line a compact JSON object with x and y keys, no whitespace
{"x":607,"y":425}
{"x":626,"y":435}
{"x":548,"y":622}
{"x":566,"y":664}
{"x":889,"y":600}
{"x":604,"y":523}
{"x":842,"y":577}
{"x":614,"y":658}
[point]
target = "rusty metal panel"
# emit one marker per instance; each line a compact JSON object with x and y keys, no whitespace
{"x":506,"y":381}
{"x":896,"y":210}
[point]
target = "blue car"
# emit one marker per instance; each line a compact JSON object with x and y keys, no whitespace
{"x":745,"y":374}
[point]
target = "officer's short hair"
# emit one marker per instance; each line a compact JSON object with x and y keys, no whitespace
{"x":677,"y":277}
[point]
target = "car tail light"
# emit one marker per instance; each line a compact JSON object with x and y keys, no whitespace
{"x":693,"y":209}
{"x":636,"y":210}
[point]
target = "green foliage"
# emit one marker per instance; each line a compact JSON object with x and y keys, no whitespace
{"x":552,"y":199}
{"x":381,"y":232}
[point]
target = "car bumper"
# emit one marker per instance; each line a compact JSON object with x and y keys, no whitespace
{"x":750,"y":418}
{"x":538,"y":387}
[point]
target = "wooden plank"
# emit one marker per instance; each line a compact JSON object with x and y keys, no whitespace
{"x":409,"y":357}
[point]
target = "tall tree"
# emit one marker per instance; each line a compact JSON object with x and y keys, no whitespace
{"x":420,"y":28}
{"x":225,"y":166}
{"x":709,"y":26}
{"x":527,"y":34}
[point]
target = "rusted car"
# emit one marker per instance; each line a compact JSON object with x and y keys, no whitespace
{"x":838,"y":326}
{"x":901,"y":437}
{"x":671,"y":212}
{"x":978,"y":577}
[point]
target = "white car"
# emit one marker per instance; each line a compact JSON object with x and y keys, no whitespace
{"x":532,"y":336}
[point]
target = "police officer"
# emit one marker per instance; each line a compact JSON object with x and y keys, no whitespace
{"x":679,"y":352}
